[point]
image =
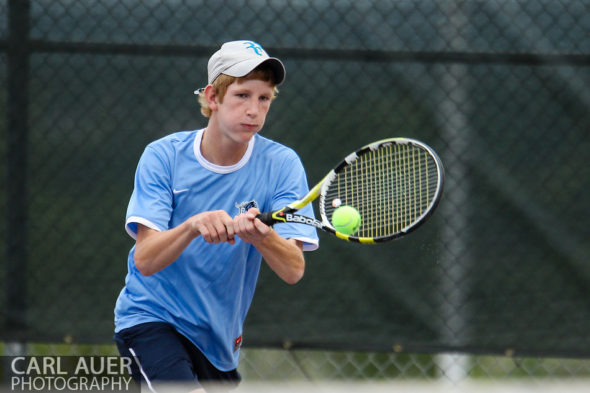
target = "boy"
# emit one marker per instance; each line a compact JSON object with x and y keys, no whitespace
{"x":193,"y":270}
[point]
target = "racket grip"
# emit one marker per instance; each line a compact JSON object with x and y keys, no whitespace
{"x":266,"y":218}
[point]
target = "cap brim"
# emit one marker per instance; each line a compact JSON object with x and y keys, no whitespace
{"x":243,"y":68}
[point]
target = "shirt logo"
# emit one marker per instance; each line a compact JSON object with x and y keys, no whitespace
{"x":245,"y":206}
{"x":255,"y":47}
{"x":237,"y":343}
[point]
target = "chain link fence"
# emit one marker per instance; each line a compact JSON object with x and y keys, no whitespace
{"x":494,"y":286}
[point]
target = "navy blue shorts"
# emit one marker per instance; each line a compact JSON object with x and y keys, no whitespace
{"x":163,"y":356}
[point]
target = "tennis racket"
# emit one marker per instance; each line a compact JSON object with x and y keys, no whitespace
{"x":395,"y":184}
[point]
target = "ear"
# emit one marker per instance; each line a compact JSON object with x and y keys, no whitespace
{"x":211,"y":97}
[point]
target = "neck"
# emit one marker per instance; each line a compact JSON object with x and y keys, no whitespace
{"x":219,"y":150}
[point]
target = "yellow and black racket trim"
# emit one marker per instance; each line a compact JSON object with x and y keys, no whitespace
{"x":395,"y":184}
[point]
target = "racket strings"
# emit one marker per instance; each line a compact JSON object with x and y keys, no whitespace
{"x":391,"y":187}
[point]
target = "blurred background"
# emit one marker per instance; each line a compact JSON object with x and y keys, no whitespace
{"x":495,"y":286}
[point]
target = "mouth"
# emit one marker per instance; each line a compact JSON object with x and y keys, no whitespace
{"x":250,"y":127}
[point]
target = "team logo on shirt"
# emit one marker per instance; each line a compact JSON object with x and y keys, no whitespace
{"x":245,"y":206}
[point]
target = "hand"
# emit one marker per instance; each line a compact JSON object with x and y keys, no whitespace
{"x":215,"y":226}
{"x":249,"y":228}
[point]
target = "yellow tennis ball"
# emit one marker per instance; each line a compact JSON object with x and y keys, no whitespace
{"x":346,"y":219}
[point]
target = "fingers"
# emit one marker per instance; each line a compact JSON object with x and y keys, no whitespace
{"x":249,"y":228}
{"x":216,"y":227}
{"x":262,"y":227}
{"x":244,"y":223}
{"x":219,"y":227}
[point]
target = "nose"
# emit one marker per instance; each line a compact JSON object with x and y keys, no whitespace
{"x":252,"y":108}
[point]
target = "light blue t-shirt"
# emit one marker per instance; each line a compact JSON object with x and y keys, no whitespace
{"x":206,"y":293}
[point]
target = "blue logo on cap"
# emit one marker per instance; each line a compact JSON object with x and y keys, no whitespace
{"x":255,"y":47}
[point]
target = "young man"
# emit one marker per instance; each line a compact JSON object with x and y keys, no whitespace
{"x":193,"y":270}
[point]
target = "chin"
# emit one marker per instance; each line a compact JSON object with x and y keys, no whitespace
{"x":249,"y":133}
{"x":244,"y":137}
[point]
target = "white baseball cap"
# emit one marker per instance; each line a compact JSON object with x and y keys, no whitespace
{"x":238,"y":58}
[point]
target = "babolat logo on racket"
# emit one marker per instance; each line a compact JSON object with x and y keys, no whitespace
{"x":303,"y":220}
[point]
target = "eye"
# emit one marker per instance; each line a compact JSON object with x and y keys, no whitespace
{"x":242,"y":95}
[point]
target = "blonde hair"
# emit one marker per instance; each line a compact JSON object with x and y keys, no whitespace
{"x":224,"y":81}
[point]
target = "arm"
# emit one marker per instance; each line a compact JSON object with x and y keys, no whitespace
{"x":283,"y":256}
{"x":155,"y":250}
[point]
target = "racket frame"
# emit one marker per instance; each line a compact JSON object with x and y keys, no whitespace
{"x":287,"y":214}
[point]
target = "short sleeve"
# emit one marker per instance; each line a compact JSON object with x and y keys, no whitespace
{"x":151,"y":201}
{"x":291,"y":187}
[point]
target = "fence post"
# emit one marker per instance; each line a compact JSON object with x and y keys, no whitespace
{"x":18,"y":52}
{"x":452,"y":105}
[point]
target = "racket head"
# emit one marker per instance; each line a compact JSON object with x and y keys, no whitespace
{"x":395,"y":184}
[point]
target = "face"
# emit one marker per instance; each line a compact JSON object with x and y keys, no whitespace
{"x":243,"y":110}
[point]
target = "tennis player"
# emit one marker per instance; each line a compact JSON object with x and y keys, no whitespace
{"x":193,"y":269}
